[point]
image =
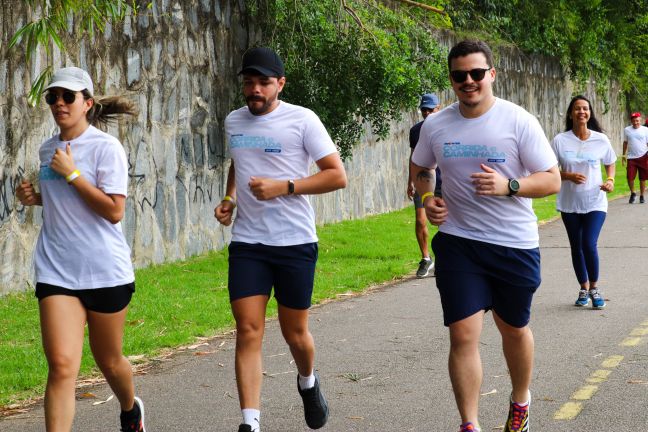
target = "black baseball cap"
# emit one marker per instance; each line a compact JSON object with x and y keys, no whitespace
{"x":264,"y":61}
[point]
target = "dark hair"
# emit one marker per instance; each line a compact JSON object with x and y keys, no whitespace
{"x":592,"y":123}
{"x":466,"y":47}
{"x":105,"y":110}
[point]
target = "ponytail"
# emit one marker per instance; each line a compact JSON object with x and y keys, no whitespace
{"x":107,"y":109}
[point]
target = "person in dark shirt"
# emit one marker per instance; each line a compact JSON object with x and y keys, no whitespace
{"x":429,"y":105}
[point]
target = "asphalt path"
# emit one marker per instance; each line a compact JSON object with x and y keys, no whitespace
{"x":382,"y":357}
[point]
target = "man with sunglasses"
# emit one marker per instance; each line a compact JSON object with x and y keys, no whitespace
{"x":494,"y":157}
{"x":429,"y":105}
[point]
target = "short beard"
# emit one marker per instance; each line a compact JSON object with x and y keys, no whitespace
{"x":259,"y":111}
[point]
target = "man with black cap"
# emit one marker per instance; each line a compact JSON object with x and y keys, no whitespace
{"x":429,"y":105}
{"x":274,"y":243}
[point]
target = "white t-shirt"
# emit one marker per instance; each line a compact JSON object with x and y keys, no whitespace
{"x":508,"y":139}
{"x":280,"y":145}
{"x":637,"y":141}
{"x":77,"y":248}
{"x":582,"y":157}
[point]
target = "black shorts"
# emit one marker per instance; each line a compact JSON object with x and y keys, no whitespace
{"x":472,"y":275}
{"x":254,"y":269}
{"x":104,"y":300}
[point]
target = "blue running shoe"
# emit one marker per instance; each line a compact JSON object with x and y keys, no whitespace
{"x":598,"y":302}
{"x":583,"y":298}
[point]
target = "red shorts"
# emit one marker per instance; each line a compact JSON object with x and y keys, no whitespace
{"x":638,"y":164}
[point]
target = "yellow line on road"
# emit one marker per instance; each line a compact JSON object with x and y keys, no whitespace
{"x":612,"y":361}
{"x":631,"y":341}
{"x":585,"y":392}
{"x":569,"y":411}
{"x":598,"y":376}
{"x":639,"y":331}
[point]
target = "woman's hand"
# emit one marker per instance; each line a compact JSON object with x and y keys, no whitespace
{"x":27,"y":194}
{"x":63,"y":162}
{"x":608,"y":186}
{"x":575,"y":177}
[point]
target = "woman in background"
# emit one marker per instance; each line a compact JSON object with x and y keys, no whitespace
{"x":582,"y":200}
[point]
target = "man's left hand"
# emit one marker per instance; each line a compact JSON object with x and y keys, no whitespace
{"x":266,"y":188}
{"x":489,"y":182}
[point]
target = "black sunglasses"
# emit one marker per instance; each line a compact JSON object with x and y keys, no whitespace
{"x":460,"y":76}
{"x":67,"y":95}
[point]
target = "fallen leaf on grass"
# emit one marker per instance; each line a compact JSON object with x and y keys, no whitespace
{"x":489,"y":393}
{"x":103,"y":402}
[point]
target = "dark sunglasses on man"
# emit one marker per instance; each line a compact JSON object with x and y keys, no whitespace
{"x":460,"y":76}
{"x":67,"y":95}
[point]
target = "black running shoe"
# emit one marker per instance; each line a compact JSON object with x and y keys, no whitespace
{"x":133,"y":423}
{"x":633,"y":196}
{"x":315,"y":407}
{"x":641,"y":199}
{"x":245,"y":428}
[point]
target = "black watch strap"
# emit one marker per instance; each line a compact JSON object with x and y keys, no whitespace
{"x":513,"y":186}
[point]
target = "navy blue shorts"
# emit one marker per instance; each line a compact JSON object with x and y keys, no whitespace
{"x":255,"y":268}
{"x":473,"y":276}
{"x":103,"y":300}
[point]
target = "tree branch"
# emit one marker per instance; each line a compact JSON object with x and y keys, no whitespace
{"x":424,"y":6}
{"x":354,"y":15}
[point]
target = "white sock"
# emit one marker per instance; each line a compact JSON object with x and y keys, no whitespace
{"x":427,"y":258}
{"x":523,"y":404}
{"x":307,"y":382}
{"x":251,"y":416}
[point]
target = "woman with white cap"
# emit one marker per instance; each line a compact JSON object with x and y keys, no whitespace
{"x":83,"y":268}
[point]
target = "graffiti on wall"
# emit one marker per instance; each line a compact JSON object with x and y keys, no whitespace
{"x":8,"y":186}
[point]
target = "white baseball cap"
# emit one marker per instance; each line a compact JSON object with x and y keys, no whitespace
{"x":72,"y":78}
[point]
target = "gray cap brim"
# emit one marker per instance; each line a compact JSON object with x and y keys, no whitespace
{"x":68,"y":86}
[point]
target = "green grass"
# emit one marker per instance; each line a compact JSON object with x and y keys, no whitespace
{"x":177,"y":302}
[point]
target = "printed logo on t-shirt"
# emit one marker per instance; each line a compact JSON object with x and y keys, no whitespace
{"x":472,"y":151}
{"x":267,"y":144}
{"x":46,"y":173}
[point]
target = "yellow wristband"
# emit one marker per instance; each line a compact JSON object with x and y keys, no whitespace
{"x":425,"y":195}
{"x":73,"y":175}
{"x":230,"y":199}
{"x":610,"y":179}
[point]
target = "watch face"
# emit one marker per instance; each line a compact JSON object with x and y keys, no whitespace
{"x":514,"y":185}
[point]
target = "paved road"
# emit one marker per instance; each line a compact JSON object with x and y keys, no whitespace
{"x":382,"y":358}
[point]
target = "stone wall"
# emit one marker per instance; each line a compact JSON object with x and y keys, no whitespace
{"x":179,"y":62}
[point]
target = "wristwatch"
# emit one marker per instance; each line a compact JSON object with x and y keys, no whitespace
{"x":291,"y":187}
{"x":514,"y":186}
